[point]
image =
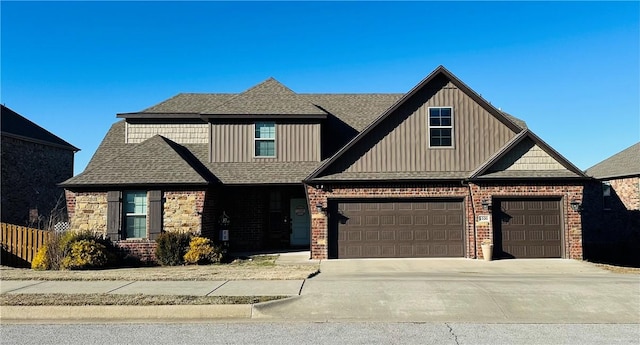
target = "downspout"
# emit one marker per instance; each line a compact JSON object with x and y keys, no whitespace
{"x":473,"y":211}
{"x":306,"y":193}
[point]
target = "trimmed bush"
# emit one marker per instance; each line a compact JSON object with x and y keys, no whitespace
{"x":202,"y":251}
{"x":63,"y":252}
{"x":85,"y":254}
{"x":171,"y":248}
{"x":41,"y":260}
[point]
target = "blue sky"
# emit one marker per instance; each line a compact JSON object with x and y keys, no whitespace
{"x":571,"y":70}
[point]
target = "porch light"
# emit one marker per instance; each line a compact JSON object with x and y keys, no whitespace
{"x":319,"y":208}
{"x":576,"y":205}
{"x":486,"y":204}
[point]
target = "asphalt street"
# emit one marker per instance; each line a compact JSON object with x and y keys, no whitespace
{"x":321,"y":333}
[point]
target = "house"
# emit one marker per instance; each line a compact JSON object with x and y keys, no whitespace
{"x":612,"y":209}
{"x":430,"y":173}
{"x":34,"y":161}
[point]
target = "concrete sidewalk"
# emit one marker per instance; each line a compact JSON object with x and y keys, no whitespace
{"x":402,"y":290}
{"x":183,"y":288}
{"x":113,"y":313}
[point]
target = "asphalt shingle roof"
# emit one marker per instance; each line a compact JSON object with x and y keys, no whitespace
{"x":408,"y":175}
{"x":623,"y":163}
{"x":140,"y":164}
{"x":15,"y":124}
{"x":202,"y":103}
{"x":116,"y":162}
{"x":268,"y":98}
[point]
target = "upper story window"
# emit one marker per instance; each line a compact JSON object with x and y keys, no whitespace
{"x":606,"y":195}
{"x":265,"y":139}
{"x":135,"y":214}
{"x":441,"y":127}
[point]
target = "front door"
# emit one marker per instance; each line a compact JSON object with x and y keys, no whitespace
{"x":300,"y":222}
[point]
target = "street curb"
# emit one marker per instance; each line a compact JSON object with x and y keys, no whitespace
{"x":116,"y":312}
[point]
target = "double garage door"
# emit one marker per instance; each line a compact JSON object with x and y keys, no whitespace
{"x":394,"y":228}
{"x":523,"y":228}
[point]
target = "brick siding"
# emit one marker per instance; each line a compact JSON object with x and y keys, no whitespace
{"x":143,"y":250}
{"x":628,"y":190}
{"x":472,"y":197}
{"x":30,"y":174}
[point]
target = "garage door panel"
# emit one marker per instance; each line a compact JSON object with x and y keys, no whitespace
{"x":388,"y":235}
{"x":372,"y":220}
{"x":408,"y":229}
{"x":529,"y":228}
{"x":454,"y":219}
{"x":372,"y":235}
{"x":454,"y":235}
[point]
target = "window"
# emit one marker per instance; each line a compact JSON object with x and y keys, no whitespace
{"x":441,"y":127}
{"x":606,"y":195}
{"x":135,"y":214}
{"x":265,"y":139}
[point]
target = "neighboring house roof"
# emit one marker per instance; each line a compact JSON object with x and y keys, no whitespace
{"x":623,"y":164}
{"x":140,"y":165}
{"x":17,"y":126}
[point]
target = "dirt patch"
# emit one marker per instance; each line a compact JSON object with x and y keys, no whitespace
{"x":137,"y":300}
{"x":619,"y":269}
{"x":263,"y":267}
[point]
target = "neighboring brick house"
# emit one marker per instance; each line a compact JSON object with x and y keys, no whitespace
{"x":612,"y":208}
{"x":34,"y":161}
{"x":424,"y":174}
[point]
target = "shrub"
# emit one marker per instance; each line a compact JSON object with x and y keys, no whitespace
{"x":171,"y":248}
{"x":41,"y":260}
{"x":202,"y":251}
{"x":62,"y":251}
{"x":85,"y":254}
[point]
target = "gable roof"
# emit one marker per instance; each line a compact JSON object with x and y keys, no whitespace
{"x":355,"y":110}
{"x":506,"y":119}
{"x":139,"y":165}
{"x":623,"y":164}
{"x":267,"y":98}
{"x":485,"y":170}
{"x":17,"y":126}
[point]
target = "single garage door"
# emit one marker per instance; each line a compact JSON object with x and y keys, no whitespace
{"x":397,"y":229}
{"x":528,"y":228}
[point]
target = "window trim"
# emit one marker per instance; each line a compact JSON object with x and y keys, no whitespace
{"x":451,"y":127}
{"x":126,"y":215}
{"x":606,"y":196}
{"x":256,"y":140}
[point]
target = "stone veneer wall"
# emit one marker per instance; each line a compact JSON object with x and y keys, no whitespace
{"x":87,"y":211}
{"x":182,"y":211}
{"x":30,"y":174}
{"x":572,"y":222}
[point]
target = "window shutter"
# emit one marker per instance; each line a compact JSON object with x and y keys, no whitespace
{"x":155,"y":214}
{"x":114,"y":215}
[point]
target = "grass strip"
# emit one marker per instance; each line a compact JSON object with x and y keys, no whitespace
{"x":134,"y":300}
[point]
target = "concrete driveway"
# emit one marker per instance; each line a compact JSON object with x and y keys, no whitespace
{"x":462,"y":290}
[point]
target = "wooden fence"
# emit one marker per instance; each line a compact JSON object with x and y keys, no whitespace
{"x":20,"y":244}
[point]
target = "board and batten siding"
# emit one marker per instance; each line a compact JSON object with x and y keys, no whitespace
{"x":295,"y":142}
{"x":404,"y":146}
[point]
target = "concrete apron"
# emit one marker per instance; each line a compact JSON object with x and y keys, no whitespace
{"x":462,"y":290}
